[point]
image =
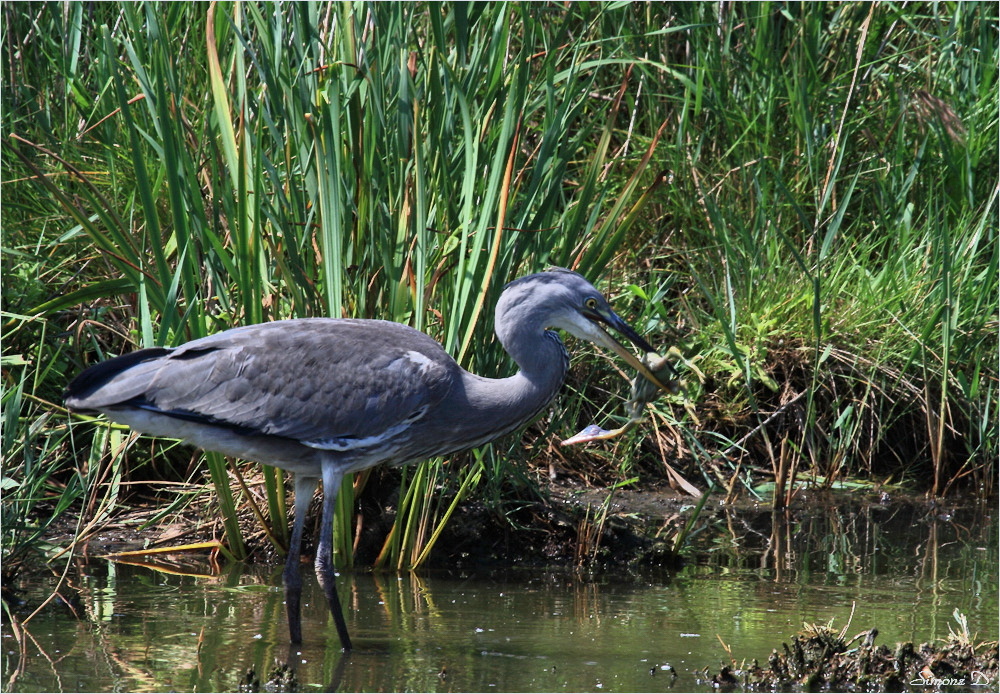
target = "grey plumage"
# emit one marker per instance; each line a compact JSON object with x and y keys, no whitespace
{"x":323,"y":397}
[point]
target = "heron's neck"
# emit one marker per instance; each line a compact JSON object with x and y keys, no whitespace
{"x":504,"y":404}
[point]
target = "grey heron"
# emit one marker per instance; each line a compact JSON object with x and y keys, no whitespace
{"x":324,"y":397}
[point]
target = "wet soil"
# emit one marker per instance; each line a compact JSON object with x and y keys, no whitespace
{"x":569,"y":524}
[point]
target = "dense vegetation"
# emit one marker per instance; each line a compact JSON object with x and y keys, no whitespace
{"x":801,"y":198}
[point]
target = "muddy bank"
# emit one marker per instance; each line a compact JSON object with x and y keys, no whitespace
{"x":573,"y":526}
{"x":662,"y":528}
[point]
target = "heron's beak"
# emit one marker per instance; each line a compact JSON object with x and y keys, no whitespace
{"x":601,"y":337}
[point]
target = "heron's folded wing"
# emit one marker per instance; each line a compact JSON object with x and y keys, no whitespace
{"x":308,"y":380}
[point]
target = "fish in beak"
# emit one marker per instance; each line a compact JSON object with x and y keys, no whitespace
{"x":654,"y":368}
{"x":655,"y":372}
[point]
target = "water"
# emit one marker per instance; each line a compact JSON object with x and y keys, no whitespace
{"x":755,"y":584}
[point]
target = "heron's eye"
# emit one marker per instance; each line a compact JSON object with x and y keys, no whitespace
{"x":591,"y":303}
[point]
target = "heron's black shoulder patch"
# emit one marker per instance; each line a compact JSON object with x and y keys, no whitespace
{"x":97,"y":375}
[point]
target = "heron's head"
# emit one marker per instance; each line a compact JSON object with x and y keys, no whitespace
{"x":563,"y":299}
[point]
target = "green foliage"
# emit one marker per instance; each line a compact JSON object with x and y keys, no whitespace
{"x":838,"y":223}
{"x":802,"y":198}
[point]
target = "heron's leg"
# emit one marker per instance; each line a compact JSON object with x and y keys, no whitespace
{"x":332,"y":477}
{"x":304,"y":488}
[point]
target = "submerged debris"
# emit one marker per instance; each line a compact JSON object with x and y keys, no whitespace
{"x":281,"y":679}
{"x":819,"y":658}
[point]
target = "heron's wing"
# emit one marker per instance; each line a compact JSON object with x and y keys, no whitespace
{"x":316,"y":380}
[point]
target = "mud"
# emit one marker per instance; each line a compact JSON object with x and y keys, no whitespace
{"x":571,"y":524}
